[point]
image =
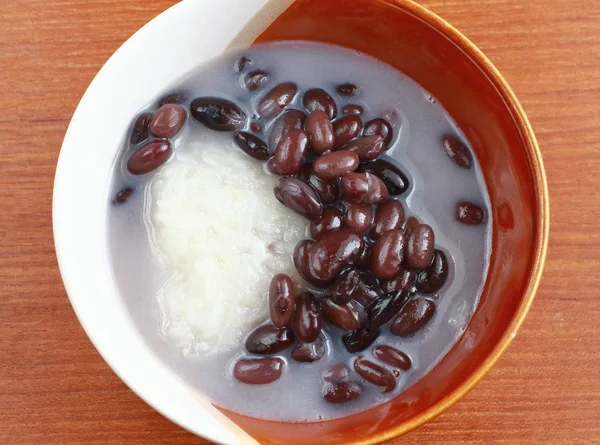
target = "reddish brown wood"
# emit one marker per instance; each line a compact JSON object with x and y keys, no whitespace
{"x":56,"y":390}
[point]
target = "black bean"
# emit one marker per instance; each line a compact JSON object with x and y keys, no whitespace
{"x":333,"y":251}
{"x":308,"y":319}
{"x":395,"y":181}
{"x":277,"y":99}
{"x":177,"y":98}
{"x":341,"y":392}
{"x":328,"y":189}
{"x":149,"y":157}
{"x":309,"y":352}
{"x":387,"y":255}
{"x":358,"y":217}
{"x":386,"y":308}
{"x":140,"y":130}
{"x":405,"y":280}
{"x":258,"y":371}
{"x":348,"y":89}
{"x":256,"y":79}
{"x":367,"y":148}
{"x":269,"y":339}
{"x":457,"y":151}
{"x":360,"y":339}
{"x":300,"y":197}
{"x":301,"y":262}
{"x":389,"y":216}
{"x":123,"y":196}
{"x":434,"y":277}
{"x":346,"y":129}
{"x":349,"y":316}
{"x":380,"y":127}
{"x":218,"y":114}
{"x":364,"y":188}
{"x":392,"y":356}
{"x":357,"y":285}
{"x":281,"y":300}
{"x":331,"y":219}
{"x":252,"y":145}
{"x":375,"y":374}
{"x":420,"y":246}
{"x":413,"y":316}
{"x":318,"y":99}
{"x":469,"y":213}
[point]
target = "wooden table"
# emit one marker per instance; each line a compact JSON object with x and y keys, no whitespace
{"x":56,"y":390}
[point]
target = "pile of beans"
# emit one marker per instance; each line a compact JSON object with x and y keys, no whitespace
{"x":371,"y":266}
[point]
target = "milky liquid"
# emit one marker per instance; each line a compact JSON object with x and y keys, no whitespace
{"x":436,"y":186}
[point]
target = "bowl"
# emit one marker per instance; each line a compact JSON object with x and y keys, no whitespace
{"x":399,"y":32}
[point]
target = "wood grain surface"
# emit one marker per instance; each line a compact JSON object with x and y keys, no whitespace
{"x":56,"y":390}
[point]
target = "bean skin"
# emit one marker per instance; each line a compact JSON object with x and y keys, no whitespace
{"x":386,"y":308}
{"x":308,"y":352}
{"x":405,"y":280}
{"x":275,"y":101}
{"x":395,"y":181}
{"x":457,"y":151}
{"x":331,"y":219}
{"x":332,"y":252}
{"x":392,"y":356}
{"x":300,"y":197}
{"x":353,"y":109}
{"x":341,"y":392}
{"x":252,"y":145}
{"x":360,"y":339}
{"x":328,"y":188}
{"x":420,"y":247}
{"x":336,"y":373}
{"x":301,"y":262}
{"x":269,"y":339}
{"x":320,"y":129}
{"x":363,"y":259}
{"x":364,"y":188}
{"x":358,"y":217}
{"x":140,"y":130}
{"x":335,"y":164}
{"x":318,"y":99}
{"x":289,"y":120}
{"x":357,"y":285}
{"x":346,"y":129}
{"x":349,"y":316}
{"x":242,"y":63}
{"x":375,"y":374}
{"x":469,"y":213}
{"x":348,"y":89}
{"x":167,"y":121}
{"x":258,"y":371}
{"x":388,"y":254}
{"x":434,"y":277}
{"x":367,"y":148}
{"x":218,"y":114}
{"x":256,"y":79}
{"x":307,"y":318}
{"x":149,"y":157}
{"x":389,"y":216}
{"x":290,"y":154}
{"x":413,"y":317}
{"x":281,"y":300}
{"x":382,"y":128}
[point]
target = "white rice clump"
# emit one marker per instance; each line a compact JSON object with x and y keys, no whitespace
{"x":221,"y":235}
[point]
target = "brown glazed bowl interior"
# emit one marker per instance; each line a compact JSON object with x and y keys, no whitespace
{"x":445,"y":63}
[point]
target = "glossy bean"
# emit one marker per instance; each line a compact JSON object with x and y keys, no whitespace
{"x":309,"y":352}
{"x":318,"y":99}
{"x":386,"y":308}
{"x":363,"y":259}
{"x":342,"y":392}
{"x":360,"y":339}
{"x":167,"y":121}
{"x":346,"y":129}
{"x":405,"y":280}
{"x":258,"y":371}
{"x":457,"y":151}
{"x":290,"y":154}
{"x":252,"y":145}
{"x":410,"y":223}
{"x":333,"y":251}
{"x":375,"y":374}
{"x":281,"y":300}
{"x":290,"y":120}
{"x":357,"y":285}
{"x":269,"y":339}
{"x":300,"y":197}
{"x":242,"y":63}
{"x":395,"y":181}
{"x":320,"y":130}
{"x":358,"y":217}
{"x":367,"y":148}
{"x":177,"y":97}
{"x":331,"y":219}
{"x":140,"y":130}
{"x":382,"y":128}
{"x":275,"y":101}
{"x":420,"y":246}
{"x":349,"y":316}
{"x":336,"y":373}
{"x":149,"y":157}
{"x":364,"y":188}
{"x":469,"y":213}
{"x":392,"y":356}
{"x":388,"y":254}
{"x":328,"y":189}
{"x":434,"y":277}
{"x":308,"y":319}
{"x":335,"y":164}
{"x":413,"y":317}
{"x":389,"y":216}
{"x":300,"y":258}
{"x":353,"y":109}
{"x":272,"y":166}
{"x":256,"y":79}
{"x":218,"y":114}
{"x":348,"y":89}
{"x":122,"y":196}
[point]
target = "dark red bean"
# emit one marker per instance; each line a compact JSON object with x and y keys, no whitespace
{"x":431,"y":280}
{"x":218,"y":114}
{"x":392,"y":356}
{"x":318,"y":99}
{"x":364,"y":188}
{"x":272,"y":167}
{"x":360,"y":339}
{"x":252,"y":145}
{"x":242,"y":63}
{"x":300,"y":197}
{"x":387,"y":255}
{"x":410,"y":223}
{"x":277,"y":99}
{"x":354,"y":284}
{"x":139,"y":131}
{"x":367,"y":148}
{"x":269,"y":339}
{"x":414,"y":315}
{"x":329,"y":189}
{"x":405,"y":280}
{"x":290,"y":154}
{"x":308,"y":319}
{"x":349,"y":316}
{"x":255,"y":127}
{"x":281,"y":300}
{"x":386,"y":308}
{"x":167,"y":121}
{"x":149,"y":157}
{"x":177,"y":98}
{"x":363,"y":260}
{"x":320,"y":129}
{"x":335,"y":164}
{"x":353,"y":109}
{"x":301,"y":262}
{"x":348,"y":89}
{"x":346,"y":129}
{"x":375,"y":374}
{"x":333,"y":251}
{"x":331,"y":219}
{"x":308,"y":352}
{"x":395,"y":181}
{"x":389,"y":216}
{"x":382,"y":128}
{"x":123,"y":196}
{"x":358,"y":217}
{"x":469,"y":213}
{"x":420,"y":246}
{"x":256,"y":79}
{"x":258,"y":371}
{"x":336,"y":373}
{"x":341,"y":392}
{"x":457,"y":151}
{"x":290,"y":120}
